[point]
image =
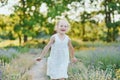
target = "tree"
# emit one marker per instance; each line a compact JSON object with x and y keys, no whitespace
{"x":3,"y":2}
{"x":111,"y":7}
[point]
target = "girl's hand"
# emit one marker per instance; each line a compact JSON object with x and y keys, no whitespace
{"x":38,"y":59}
{"x":74,"y":60}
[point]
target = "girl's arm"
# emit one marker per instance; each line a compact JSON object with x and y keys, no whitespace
{"x":71,"y":49}
{"x":46,"y":48}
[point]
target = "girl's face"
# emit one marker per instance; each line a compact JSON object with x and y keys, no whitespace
{"x":62,"y":27}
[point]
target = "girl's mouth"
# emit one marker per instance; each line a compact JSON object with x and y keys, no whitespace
{"x":63,"y":30}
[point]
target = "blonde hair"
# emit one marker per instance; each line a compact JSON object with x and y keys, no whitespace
{"x":57,"y":23}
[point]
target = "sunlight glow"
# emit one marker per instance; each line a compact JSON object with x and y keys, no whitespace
{"x":73,"y":13}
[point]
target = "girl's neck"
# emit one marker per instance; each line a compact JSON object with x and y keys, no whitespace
{"x":61,"y":34}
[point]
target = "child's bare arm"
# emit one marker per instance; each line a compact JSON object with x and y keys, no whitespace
{"x":46,"y":48}
{"x":71,"y":49}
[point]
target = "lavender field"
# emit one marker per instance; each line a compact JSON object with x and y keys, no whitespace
{"x":102,"y":63}
{"x":98,"y":63}
{"x":26,"y":26}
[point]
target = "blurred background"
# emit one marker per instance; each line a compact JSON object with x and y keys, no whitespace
{"x":26,"y":26}
{"x":90,"y":20}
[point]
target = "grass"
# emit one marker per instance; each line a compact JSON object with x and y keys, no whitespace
{"x":9,"y":53}
{"x":101,"y":57}
{"x":17,"y":69}
{"x":83,"y":45}
{"x":102,"y":63}
{"x":41,"y":42}
{"x":99,"y":61}
{"x":18,"y":66}
{"x":91,"y":67}
{"x":80,"y":72}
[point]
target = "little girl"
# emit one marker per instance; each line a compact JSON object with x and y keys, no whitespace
{"x":58,"y":60}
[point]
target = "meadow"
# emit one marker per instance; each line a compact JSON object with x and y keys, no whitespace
{"x":98,"y":61}
{"x":102,"y":63}
{"x":26,"y":26}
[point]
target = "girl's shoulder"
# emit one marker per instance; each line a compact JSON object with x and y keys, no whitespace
{"x":53,"y":36}
{"x":68,"y":37}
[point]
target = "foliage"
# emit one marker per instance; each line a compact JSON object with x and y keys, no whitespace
{"x":28,"y":21}
{"x":80,"y":72}
{"x":100,"y":64}
{"x":118,"y":74}
{"x":7,"y":54}
{"x":95,"y":64}
{"x":15,"y":71}
{"x":3,"y":2}
{"x":101,"y":57}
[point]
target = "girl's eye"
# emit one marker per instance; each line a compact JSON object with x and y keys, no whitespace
{"x":61,"y":26}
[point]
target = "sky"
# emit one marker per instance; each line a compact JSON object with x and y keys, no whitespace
{"x":8,"y":9}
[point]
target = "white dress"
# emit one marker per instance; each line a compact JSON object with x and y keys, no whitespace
{"x":58,"y":60}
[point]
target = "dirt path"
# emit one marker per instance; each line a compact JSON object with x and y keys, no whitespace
{"x":38,"y":71}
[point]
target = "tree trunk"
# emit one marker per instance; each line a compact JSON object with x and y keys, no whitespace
{"x":83,"y":31}
{"x":24,"y":16}
{"x":20,"y":39}
{"x":114,"y":33}
{"x":25,"y":38}
{"x":107,"y":19}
